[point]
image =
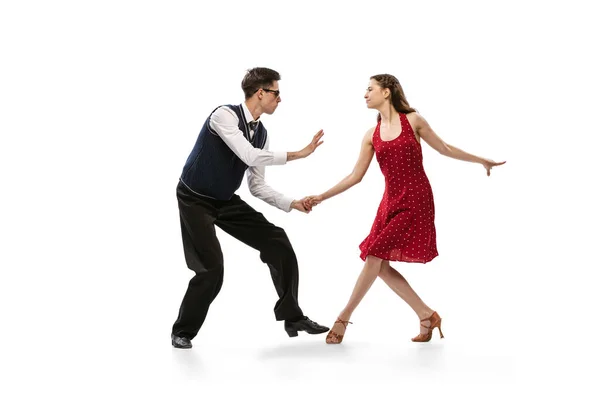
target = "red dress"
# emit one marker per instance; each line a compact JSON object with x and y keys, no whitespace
{"x":404,"y":228}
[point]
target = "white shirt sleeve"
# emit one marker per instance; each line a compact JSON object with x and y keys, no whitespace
{"x":259,"y":188}
{"x":225,"y":123}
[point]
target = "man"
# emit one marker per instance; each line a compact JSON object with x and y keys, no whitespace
{"x":231,"y":141}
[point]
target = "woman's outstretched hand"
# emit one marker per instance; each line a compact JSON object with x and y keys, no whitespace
{"x":489,"y":164}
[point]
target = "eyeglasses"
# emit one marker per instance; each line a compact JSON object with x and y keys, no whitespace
{"x":275,"y":92}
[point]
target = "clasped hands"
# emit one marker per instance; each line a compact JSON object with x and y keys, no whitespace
{"x":307,"y":203}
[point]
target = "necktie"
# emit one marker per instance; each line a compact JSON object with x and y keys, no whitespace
{"x":252,"y":125}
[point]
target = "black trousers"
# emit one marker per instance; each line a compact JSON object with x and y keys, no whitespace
{"x":199,"y":216}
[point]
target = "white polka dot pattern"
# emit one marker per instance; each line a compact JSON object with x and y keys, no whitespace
{"x":404,"y":227}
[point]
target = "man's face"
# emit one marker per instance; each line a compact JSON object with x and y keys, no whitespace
{"x":270,"y":98}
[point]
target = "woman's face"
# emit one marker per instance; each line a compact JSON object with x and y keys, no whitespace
{"x":375,"y":95}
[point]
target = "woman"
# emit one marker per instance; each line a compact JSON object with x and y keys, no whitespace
{"x":404,"y":228}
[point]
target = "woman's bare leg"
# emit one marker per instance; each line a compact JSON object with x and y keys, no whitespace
{"x":370,"y":272}
{"x":400,"y":286}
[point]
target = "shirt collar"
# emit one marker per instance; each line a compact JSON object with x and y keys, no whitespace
{"x":247,"y":114}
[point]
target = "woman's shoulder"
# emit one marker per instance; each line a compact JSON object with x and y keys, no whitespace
{"x":415,"y":119}
{"x":414,"y":115}
{"x":369,"y":133}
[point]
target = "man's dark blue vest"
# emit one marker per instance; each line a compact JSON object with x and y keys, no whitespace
{"x":212,"y":168}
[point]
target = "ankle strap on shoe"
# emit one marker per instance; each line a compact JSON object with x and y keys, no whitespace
{"x":345,"y":323}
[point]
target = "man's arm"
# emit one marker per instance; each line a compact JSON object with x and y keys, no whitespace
{"x":225,"y":123}
{"x":259,"y":188}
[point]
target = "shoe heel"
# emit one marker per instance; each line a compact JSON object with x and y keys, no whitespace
{"x":292,"y":333}
{"x":435,"y":321}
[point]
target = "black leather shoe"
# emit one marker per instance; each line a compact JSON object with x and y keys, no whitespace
{"x":305,"y":324}
{"x":181,"y":342}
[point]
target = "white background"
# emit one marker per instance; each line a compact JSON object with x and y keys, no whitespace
{"x":101,"y":103}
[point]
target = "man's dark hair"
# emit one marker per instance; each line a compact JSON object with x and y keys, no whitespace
{"x":258,"y":78}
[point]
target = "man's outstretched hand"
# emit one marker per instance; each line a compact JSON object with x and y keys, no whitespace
{"x":312,"y":146}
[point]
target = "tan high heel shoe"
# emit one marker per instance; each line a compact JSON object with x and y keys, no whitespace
{"x":336,"y":338}
{"x":435,"y":321}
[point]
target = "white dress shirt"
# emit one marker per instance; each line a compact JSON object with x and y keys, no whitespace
{"x":225,"y":123}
